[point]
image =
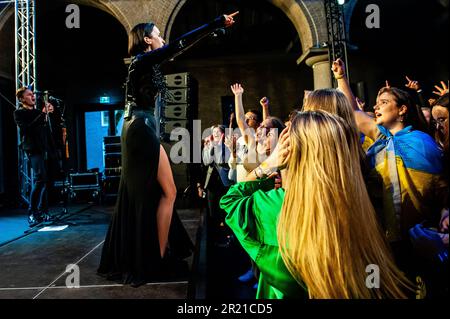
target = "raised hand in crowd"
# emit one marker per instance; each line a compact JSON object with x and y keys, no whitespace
{"x":338,"y":69}
{"x":232,"y":116}
{"x":387,"y":85}
{"x":421,"y":101}
{"x":264,"y":102}
{"x":241,"y":117}
{"x":230,"y":139}
{"x":441,"y":90}
{"x":231,"y":142}
{"x":412,"y":84}
{"x":361,"y":104}
{"x":237,"y":89}
{"x":265,"y":107}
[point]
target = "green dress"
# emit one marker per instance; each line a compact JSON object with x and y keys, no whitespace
{"x":252,"y":213}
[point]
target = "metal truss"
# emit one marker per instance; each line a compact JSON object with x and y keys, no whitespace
{"x":337,"y":41}
{"x":25,"y":22}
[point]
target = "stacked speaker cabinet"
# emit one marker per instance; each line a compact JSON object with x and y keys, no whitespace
{"x":178,"y":112}
{"x":112,"y":157}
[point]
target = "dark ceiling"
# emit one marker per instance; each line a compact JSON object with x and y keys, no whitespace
{"x":260,"y":27}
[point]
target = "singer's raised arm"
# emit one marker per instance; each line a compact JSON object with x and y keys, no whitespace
{"x":180,"y":45}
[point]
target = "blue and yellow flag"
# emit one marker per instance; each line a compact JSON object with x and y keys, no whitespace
{"x":410,"y":165}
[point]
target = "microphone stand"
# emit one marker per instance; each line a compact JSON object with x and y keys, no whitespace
{"x":64,"y":163}
{"x":61,"y":160}
{"x":64,"y":160}
{"x":47,"y":117}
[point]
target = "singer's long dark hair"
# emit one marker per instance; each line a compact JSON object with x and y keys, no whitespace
{"x":136,"y":46}
{"x":136,"y":43}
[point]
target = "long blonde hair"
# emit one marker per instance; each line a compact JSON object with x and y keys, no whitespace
{"x":332,"y":101}
{"x":335,"y":102}
{"x":327,"y":231}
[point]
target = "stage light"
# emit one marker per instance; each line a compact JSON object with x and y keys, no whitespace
{"x":341,"y":2}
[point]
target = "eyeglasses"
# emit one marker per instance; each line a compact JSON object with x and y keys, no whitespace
{"x":247,"y":118}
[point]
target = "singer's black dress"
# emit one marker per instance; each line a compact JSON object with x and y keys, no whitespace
{"x":131,"y":252}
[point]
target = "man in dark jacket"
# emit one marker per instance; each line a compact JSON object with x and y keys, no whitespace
{"x":36,"y":127}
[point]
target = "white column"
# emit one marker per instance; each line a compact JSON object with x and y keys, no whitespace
{"x":321,"y":71}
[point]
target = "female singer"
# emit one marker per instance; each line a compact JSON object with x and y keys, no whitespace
{"x":145,"y":235}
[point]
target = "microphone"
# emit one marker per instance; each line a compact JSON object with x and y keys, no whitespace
{"x":46,"y":91}
{"x":41,"y":92}
{"x":218,"y":33}
{"x":52,"y":98}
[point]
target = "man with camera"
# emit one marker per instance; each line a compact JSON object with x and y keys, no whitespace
{"x":37,"y":136}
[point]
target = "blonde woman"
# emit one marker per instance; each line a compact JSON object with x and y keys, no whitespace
{"x":330,"y":100}
{"x":334,"y":102}
{"x":315,"y":237}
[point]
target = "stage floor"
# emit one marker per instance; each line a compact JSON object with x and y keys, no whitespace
{"x":33,"y":265}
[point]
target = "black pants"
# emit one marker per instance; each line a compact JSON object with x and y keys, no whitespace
{"x":44,"y":171}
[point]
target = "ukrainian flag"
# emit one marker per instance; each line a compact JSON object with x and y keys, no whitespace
{"x":365,"y":141}
{"x":410,"y":166}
